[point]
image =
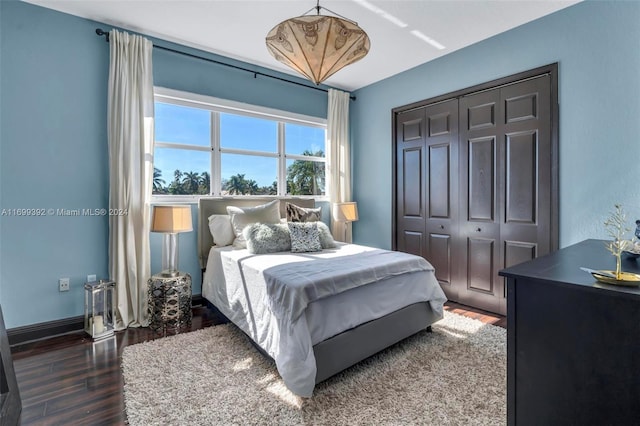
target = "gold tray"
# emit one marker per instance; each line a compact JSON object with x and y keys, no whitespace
{"x":627,"y":278}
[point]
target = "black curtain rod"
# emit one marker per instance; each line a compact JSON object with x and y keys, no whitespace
{"x":101,"y":32}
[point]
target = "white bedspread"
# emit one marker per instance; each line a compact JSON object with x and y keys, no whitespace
{"x":243,"y":287}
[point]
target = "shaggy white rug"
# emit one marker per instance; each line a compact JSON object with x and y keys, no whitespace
{"x":455,"y":375}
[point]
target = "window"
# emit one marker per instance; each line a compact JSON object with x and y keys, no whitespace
{"x":208,"y":146}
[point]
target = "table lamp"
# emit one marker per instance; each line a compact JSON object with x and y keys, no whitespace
{"x":346,"y":212}
{"x":171,"y":220}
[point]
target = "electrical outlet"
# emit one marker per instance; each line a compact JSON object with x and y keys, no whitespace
{"x":91,"y":278}
{"x":63,"y":284}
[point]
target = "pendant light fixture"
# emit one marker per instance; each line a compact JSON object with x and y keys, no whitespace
{"x":317,"y":46}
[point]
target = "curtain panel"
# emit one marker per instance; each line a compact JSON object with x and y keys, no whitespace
{"x":339,"y":166}
{"x":130,"y":137}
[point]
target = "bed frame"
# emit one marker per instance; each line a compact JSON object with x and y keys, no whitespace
{"x":349,"y":347}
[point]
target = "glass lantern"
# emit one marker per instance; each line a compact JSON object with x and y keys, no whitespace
{"x":99,"y":312}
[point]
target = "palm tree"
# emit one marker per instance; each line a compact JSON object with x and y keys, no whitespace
{"x":236,"y":184}
{"x":158,"y":182}
{"x":306,"y":177}
{"x":205,"y":183}
{"x":252,"y":187}
{"x":176,"y":186}
{"x":191,"y":182}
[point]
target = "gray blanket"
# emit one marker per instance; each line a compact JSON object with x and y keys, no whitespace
{"x":291,"y":287}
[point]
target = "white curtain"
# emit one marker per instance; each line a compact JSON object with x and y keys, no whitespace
{"x":130,"y":134}
{"x":339,"y":176}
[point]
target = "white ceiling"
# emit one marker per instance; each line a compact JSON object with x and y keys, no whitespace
{"x":237,"y":28}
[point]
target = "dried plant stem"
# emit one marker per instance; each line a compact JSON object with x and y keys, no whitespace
{"x":615,"y":226}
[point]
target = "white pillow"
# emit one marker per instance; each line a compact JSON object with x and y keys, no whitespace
{"x":243,"y":216}
{"x":221,"y":230}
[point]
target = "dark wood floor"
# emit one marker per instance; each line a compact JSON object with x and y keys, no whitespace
{"x":70,"y":379}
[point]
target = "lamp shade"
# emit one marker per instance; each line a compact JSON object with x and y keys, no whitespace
{"x":171,"y":219}
{"x":317,"y":46}
{"x":345,"y":212}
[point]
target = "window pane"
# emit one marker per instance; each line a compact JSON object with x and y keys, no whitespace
{"x":249,"y":175}
{"x":181,"y":171}
{"x":305,"y":177}
{"x":180,"y":124}
{"x":249,"y":133}
{"x":304,"y":140}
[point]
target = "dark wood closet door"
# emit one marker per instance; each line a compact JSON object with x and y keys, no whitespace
{"x":505,"y":185}
{"x":476,"y":185}
{"x":479,"y":243}
{"x":410,"y":182}
{"x":526,"y":193}
{"x":427,"y":187}
{"x":441,"y":225}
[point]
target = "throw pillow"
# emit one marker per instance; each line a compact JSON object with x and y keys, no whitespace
{"x":304,"y":237}
{"x":243,"y":216}
{"x":326,"y":239}
{"x":267,"y":238}
{"x":221,"y":229}
{"x":302,"y":214}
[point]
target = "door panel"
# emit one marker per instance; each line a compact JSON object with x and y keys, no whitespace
{"x":440,"y":258}
{"x":412,"y":243}
{"x":439,"y":185}
{"x":481,"y":264}
{"x":410,"y":182}
{"x":521,"y":158}
{"x":441,"y":224}
{"x":517,"y":252}
{"x":482,"y":175}
{"x":526,"y":197}
{"x":479,"y":189}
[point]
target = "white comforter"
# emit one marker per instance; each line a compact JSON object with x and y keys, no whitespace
{"x":266,"y":296}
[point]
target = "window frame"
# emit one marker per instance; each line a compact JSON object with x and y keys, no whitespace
{"x":216,"y":106}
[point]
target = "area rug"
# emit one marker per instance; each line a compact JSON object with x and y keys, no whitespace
{"x":455,"y":375}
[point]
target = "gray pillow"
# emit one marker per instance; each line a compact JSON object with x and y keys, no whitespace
{"x":304,"y":237}
{"x":302,"y":214}
{"x":326,"y":239}
{"x":243,"y":216}
{"x":267,"y":238}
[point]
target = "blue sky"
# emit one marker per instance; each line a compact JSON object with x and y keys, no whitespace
{"x":192,"y":126}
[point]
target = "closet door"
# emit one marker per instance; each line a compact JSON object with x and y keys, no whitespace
{"x":480,"y":150}
{"x":525,"y":231}
{"x":476,"y":182}
{"x":505,"y":185}
{"x":427,"y":188}
{"x":410,"y":182}
{"x":441,"y":225}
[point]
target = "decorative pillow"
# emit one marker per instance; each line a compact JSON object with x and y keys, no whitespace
{"x":302,"y":214}
{"x":267,"y":238}
{"x":304,"y":237}
{"x":326,"y":239}
{"x":221,"y":229}
{"x":243,"y":216}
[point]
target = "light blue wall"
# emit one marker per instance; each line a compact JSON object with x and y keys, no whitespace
{"x":53,"y":151}
{"x":597,"y":46}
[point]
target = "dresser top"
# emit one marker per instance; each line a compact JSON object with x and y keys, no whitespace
{"x":564,"y":266}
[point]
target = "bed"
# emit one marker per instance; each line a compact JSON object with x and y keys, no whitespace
{"x":360,"y":300}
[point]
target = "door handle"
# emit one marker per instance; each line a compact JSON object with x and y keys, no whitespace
{"x":441,"y":226}
{"x":479,"y":229}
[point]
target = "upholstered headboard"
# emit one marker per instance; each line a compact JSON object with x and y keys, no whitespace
{"x":218,"y":205}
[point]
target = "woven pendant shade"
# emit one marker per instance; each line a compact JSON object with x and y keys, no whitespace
{"x":317,"y":46}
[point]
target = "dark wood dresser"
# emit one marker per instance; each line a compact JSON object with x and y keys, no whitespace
{"x":573,"y":344}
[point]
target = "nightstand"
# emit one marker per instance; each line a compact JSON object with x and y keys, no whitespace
{"x":169,"y":301}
